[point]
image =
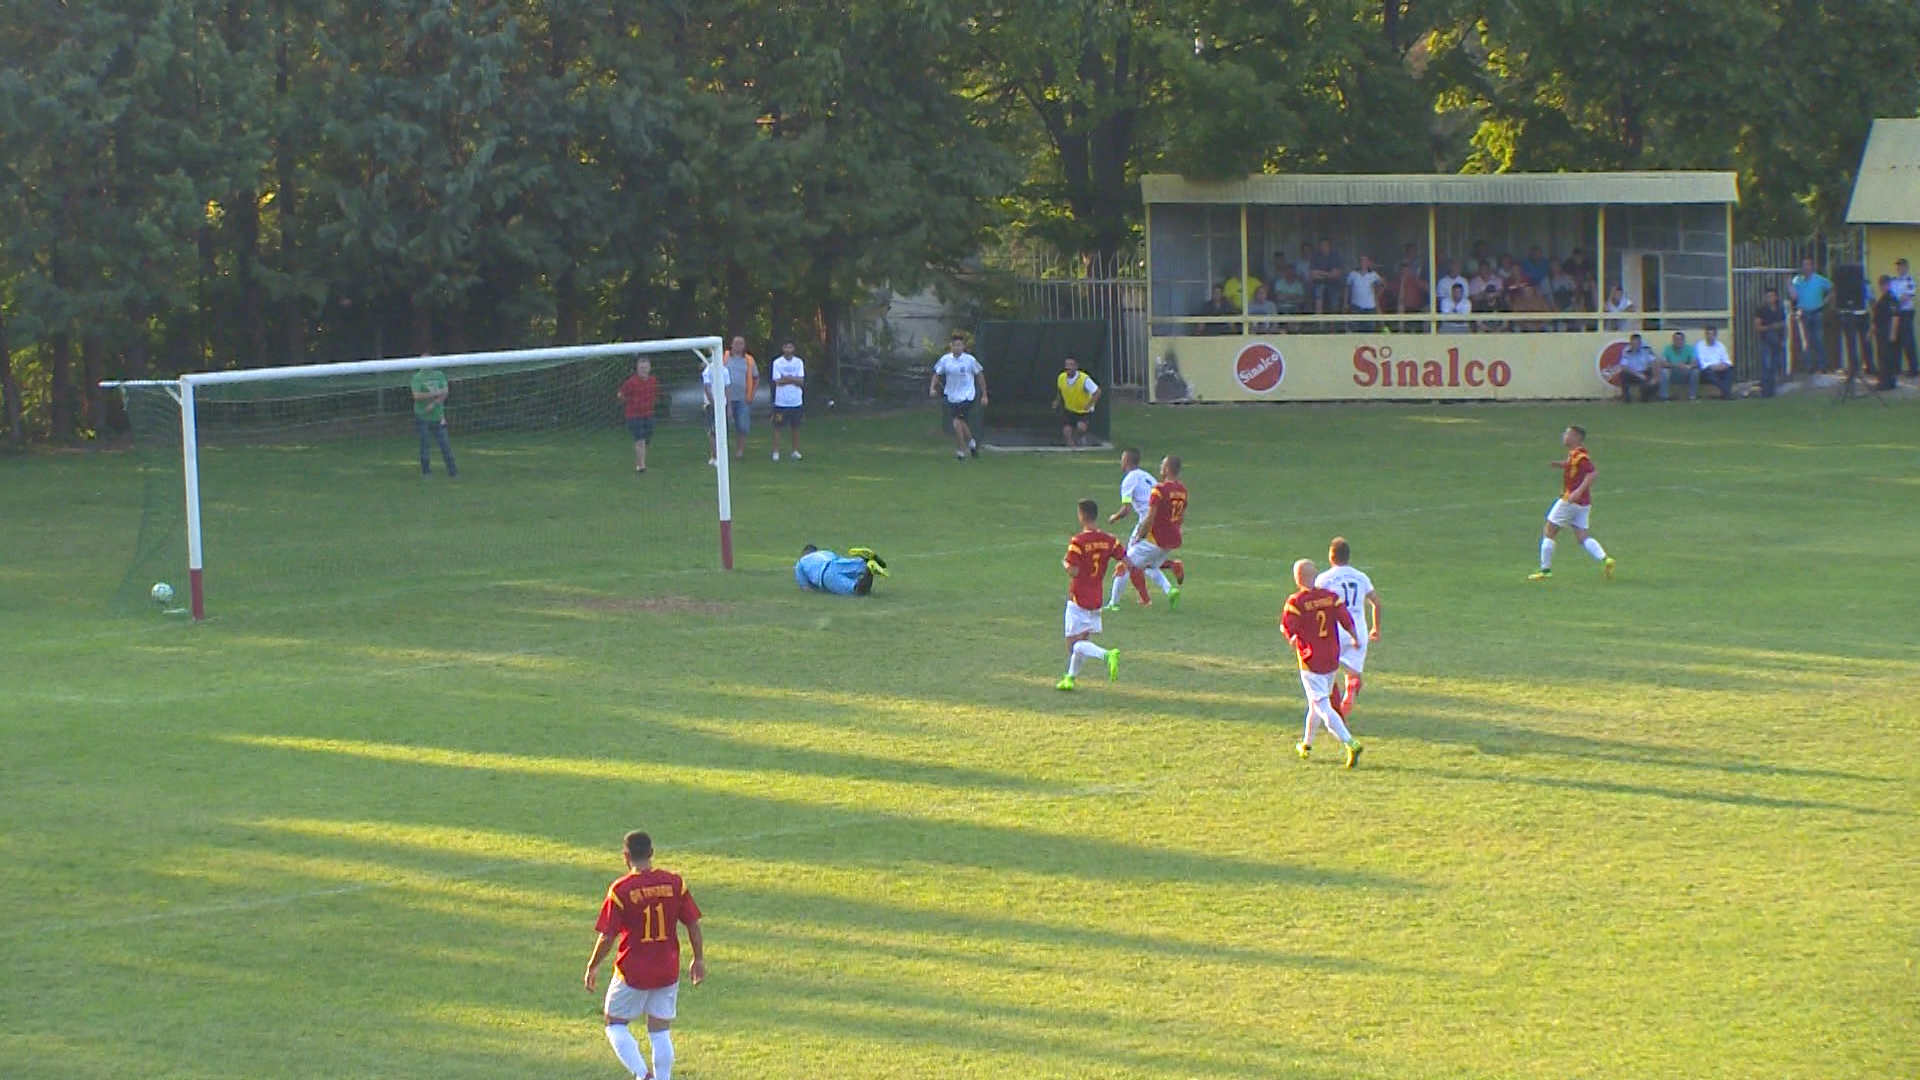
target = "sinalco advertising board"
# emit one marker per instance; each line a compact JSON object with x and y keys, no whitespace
{"x":1385,"y":367}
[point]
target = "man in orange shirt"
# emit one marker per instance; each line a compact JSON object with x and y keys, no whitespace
{"x":1089,"y":554}
{"x":644,"y":910}
{"x":1312,"y":621}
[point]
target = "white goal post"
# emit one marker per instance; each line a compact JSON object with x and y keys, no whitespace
{"x":182,"y":390}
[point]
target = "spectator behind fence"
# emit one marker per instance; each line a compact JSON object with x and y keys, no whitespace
{"x":1714,"y":363}
{"x":1363,"y":296}
{"x":1456,"y":303}
{"x":1637,"y":366}
{"x":1290,"y":291}
{"x":1328,"y":279}
{"x":1412,"y":286}
{"x":1677,"y":362}
{"x":1537,"y":267}
{"x":1216,"y":305}
{"x":1484,"y":290}
{"x":1619,"y":303}
{"x":1811,"y":293}
{"x":1886,"y":334}
{"x":1303,"y":266}
{"x":1262,"y":304}
{"x":1561,"y":287}
{"x":1443,"y":289}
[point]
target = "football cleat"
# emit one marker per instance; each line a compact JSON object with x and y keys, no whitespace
{"x":1606,"y":567}
{"x":1113,"y":665}
{"x":1111,"y":608}
{"x":1353,"y":754}
{"x":1540,"y":575}
{"x":1065,"y":683}
{"x":1173,"y":597}
{"x":1303,"y":749}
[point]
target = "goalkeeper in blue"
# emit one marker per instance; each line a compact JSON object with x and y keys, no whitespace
{"x":851,"y":574}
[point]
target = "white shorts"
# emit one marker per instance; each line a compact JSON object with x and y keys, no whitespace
{"x":1568,"y":515}
{"x":1318,"y":686}
{"x":626,"y":1003}
{"x":1146,"y":555}
{"x":1081,"y":621}
{"x":1353,"y":653}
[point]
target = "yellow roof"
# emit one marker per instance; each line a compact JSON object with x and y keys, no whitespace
{"x":1887,"y":191}
{"x":1421,"y":189}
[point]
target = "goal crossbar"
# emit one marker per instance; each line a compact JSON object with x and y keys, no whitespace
{"x":182,"y":390}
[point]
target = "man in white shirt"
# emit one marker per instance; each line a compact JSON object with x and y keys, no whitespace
{"x":960,"y":373}
{"x":789,"y":374}
{"x":1355,"y":590}
{"x":1362,"y":298}
{"x":1444,"y":287}
{"x":1456,"y":303}
{"x":1716,"y":365}
{"x":1618,"y":303}
{"x":1136,"y":495}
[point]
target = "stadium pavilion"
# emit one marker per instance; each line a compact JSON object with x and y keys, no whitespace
{"x":1539,"y":252}
{"x":1886,"y":195}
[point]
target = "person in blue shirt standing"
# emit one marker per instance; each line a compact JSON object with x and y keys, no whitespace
{"x":1811,"y":293}
{"x":1901,"y":288}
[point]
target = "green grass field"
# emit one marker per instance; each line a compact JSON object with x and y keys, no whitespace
{"x":358,"y":824}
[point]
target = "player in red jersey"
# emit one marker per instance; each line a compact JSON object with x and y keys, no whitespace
{"x":638,"y":394}
{"x":1312,"y":621}
{"x":1088,"y":555}
{"x":645,"y":910}
{"x":1571,"y":508}
{"x":1158,"y":534}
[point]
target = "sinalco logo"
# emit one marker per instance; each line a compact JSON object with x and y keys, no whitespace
{"x":1259,"y":367}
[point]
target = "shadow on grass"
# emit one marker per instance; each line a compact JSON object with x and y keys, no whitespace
{"x":1421,"y":716}
{"x":1608,"y":787}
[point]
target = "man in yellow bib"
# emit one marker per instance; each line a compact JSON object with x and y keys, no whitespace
{"x":1075,"y":399}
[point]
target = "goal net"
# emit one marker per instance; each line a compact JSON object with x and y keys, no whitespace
{"x":283,"y":487}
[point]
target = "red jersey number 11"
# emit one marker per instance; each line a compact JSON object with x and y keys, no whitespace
{"x":653,"y":924}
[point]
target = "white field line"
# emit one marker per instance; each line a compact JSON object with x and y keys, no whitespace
{"x":481,"y":870}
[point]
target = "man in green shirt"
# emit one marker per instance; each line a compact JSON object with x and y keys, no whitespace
{"x":1676,"y":361}
{"x":430,"y":416}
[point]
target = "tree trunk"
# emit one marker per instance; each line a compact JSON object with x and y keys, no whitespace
{"x":293,"y":314}
{"x":566,"y":309}
{"x":253,"y":314}
{"x":1390,"y":23}
{"x":137,"y":363}
{"x":93,"y":362}
{"x":422,"y":324}
{"x":60,"y":388}
{"x":739,"y":299}
{"x":10,"y":392}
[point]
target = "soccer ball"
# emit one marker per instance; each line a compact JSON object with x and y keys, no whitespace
{"x":162,"y":593}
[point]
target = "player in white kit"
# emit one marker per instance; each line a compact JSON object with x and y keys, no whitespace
{"x":1355,"y":590}
{"x":1136,"y":492}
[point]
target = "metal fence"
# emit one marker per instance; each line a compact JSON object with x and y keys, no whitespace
{"x":1759,"y":265}
{"x":1113,"y":290}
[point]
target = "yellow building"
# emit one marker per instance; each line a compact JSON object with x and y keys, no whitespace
{"x":1886,"y":196}
{"x":1666,"y":239}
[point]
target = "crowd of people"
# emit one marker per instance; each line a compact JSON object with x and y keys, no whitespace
{"x":1321,"y":281}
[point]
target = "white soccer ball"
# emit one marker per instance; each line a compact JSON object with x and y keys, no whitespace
{"x":162,"y":593}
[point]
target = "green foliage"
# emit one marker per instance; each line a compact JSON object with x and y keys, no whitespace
{"x":207,"y":183}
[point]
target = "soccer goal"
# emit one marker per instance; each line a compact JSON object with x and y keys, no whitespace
{"x":298,"y":477}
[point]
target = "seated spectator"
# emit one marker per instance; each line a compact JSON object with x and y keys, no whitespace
{"x":1363,"y":296}
{"x":1561,"y":287}
{"x":1290,"y":291}
{"x":1328,"y":278}
{"x":1455,"y":303}
{"x":1216,"y":305}
{"x":1523,"y":297}
{"x":1578,"y":266}
{"x":1714,"y":364}
{"x":1508,"y":270}
{"x":1676,"y":362}
{"x":1637,"y":368}
{"x":1303,"y":266}
{"x":1537,"y":267}
{"x":1444,"y":287}
{"x":1262,"y":304}
{"x":1619,"y":304}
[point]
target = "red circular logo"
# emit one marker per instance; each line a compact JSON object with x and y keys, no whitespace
{"x":1608,"y":362}
{"x":1259,"y":367}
